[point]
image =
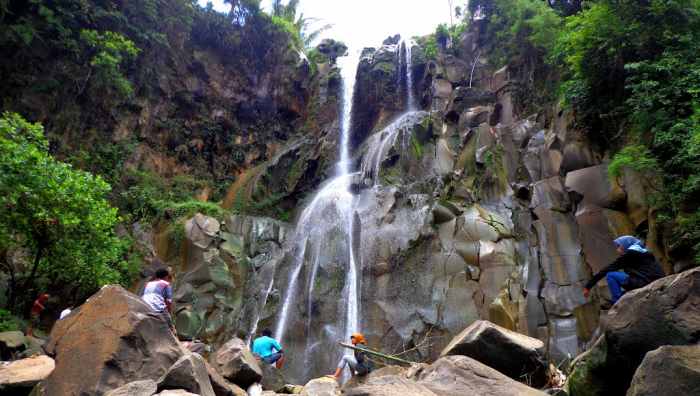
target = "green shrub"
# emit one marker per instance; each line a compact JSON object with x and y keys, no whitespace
{"x":9,"y":322}
{"x":58,"y":215}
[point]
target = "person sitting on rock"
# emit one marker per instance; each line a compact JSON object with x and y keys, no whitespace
{"x":636,"y":267}
{"x":35,"y":314}
{"x":358,"y":362}
{"x":269,"y":350}
{"x":159,"y":295}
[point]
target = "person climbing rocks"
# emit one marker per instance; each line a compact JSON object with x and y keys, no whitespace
{"x":636,"y":267}
{"x":35,"y":314}
{"x":269,"y":350}
{"x":158,"y":294}
{"x":358,"y":362}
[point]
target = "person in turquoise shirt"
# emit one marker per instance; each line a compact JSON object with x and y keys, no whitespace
{"x":269,"y":350}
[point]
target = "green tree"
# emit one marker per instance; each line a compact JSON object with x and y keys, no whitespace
{"x":303,"y":30}
{"x":56,"y":216}
{"x":110,"y":51}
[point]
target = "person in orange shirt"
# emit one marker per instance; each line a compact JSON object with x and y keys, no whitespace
{"x":358,"y":362}
{"x":35,"y":314}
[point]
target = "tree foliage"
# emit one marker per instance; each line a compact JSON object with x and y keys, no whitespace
{"x":57,"y":216}
{"x":110,"y":50}
{"x":302,"y":30}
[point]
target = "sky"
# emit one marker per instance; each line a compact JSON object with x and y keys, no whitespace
{"x":366,"y":23}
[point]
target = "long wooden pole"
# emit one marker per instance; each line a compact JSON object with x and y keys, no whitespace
{"x":371,"y":352}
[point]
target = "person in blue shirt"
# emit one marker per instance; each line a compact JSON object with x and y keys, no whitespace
{"x":269,"y":350}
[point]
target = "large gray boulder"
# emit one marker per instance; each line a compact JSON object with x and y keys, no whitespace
{"x":515,"y":355}
{"x":111,"y":340}
{"x":669,"y":370}
{"x":272,"y":378}
{"x":235,"y":362}
{"x":189,"y":373}
{"x":462,"y":375}
{"x":20,"y":376}
{"x":664,"y":312}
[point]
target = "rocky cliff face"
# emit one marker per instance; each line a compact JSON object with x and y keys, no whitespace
{"x":465,"y":209}
{"x":214,"y":99}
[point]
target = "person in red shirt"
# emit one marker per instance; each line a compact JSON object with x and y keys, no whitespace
{"x":35,"y":315}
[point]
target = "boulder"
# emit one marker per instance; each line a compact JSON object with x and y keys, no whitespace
{"x":20,"y":376}
{"x":596,"y":188}
{"x":272,"y":378}
{"x":11,"y":342}
{"x":235,"y":362}
{"x":222,"y":387}
{"x":201,"y":230}
{"x":111,"y":340}
{"x":390,"y":385}
{"x":669,"y":370}
{"x":462,"y":375}
{"x":515,"y":355}
{"x":321,"y":387}
{"x":664,"y":312}
{"x":136,"y":388}
{"x":176,"y":392}
{"x":589,"y":374}
{"x":189,"y":373}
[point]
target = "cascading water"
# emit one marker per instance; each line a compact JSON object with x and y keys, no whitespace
{"x":323,"y":245}
{"x":411,"y":98}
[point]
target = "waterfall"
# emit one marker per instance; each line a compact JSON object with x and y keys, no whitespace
{"x":323,"y":242}
{"x":380,"y":143}
{"x":410,"y":94}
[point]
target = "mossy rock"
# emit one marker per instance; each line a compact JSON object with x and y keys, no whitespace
{"x":589,"y":372}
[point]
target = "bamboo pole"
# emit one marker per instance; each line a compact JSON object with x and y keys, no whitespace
{"x":375,"y":353}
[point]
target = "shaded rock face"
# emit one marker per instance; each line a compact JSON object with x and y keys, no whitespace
{"x":669,"y":370}
{"x":377,"y":97}
{"x":11,"y":343}
{"x":518,"y":356}
{"x":112,"y":339}
{"x":213,"y":106}
{"x":20,"y":376}
{"x":272,"y":378}
{"x":188,"y":373}
{"x":236,"y":363}
{"x":217,"y":290}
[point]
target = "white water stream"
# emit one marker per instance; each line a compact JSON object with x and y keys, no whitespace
{"x":328,"y":218}
{"x":323,"y":242}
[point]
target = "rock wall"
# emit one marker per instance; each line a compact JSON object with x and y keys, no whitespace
{"x":465,"y":209}
{"x":478,"y":211}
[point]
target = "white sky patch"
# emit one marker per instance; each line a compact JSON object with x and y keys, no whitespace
{"x":366,"y":23}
